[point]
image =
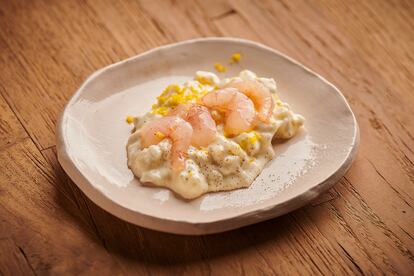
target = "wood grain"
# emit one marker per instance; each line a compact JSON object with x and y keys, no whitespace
{"x":13,"y":260}
{"x":364,"y":225}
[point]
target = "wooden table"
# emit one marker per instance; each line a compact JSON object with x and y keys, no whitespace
{"x":364,"y":225}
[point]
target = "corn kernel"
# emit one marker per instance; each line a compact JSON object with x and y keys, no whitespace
{"x":204,"y":80}
{"x":129,"y":119}
{"x":235,"y":58}
{"x":220,"y":68}
{"x":161,"y":99}
{"x":175,"y":99}
{"x":174,"y":87}
{"x":243,"y":144}
{"x":159,"y":135}
{"x":162,"y":110}
{"x":252,"y":138}
{"x":194,"y":90}
{"x":256,"y":137}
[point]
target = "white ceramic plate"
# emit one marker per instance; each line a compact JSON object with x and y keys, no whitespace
{"x":92,"y":135}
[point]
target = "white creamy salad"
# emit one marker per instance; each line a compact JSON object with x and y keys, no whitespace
{"x":229,"y":161}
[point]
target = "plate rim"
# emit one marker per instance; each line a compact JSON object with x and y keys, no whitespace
{"x":183,"y":226}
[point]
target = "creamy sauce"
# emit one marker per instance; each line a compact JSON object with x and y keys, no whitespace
{"x":225,"y":164}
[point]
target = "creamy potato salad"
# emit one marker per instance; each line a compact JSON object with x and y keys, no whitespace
{"x":210,"y":134}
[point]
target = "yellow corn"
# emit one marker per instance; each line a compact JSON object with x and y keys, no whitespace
{"x":235,"y":58}
{"x":220,"y":68}
{"x":129,"y":119}
{"x":159,"y":135}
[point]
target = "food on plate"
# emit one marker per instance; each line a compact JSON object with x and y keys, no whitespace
{"x":219,"y":67}
{"x":235,"y":58}
{"x":210,"y":134}
{"x":236,"y":108}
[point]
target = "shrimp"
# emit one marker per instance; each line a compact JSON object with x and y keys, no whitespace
{"x":204,"y":127}
{"x":174,"y":128}
{"x":260,"y":96}
{"x":238,"y":109}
